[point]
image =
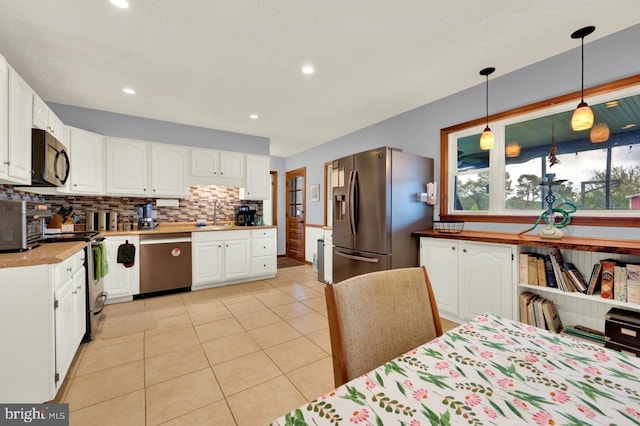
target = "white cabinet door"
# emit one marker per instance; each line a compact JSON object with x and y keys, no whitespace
{"x":40,"y":118}
{"x":231,"y":165}
{"x":121,"y":283}
{"x":258,"y":182}
{"x":87,"y":162}
{"x":168,"y":170}
{"x":64,"y":325}
{"x":236,"y":259}
{"x":208,"y":262}
{"x":20,"y":119}
{"x":56,"y":128}
{"x":4,"y":118}
{"x":486,"y":279}
{"x":440,"y":257}
{"x":204,"y":162}
{"x":126,"y":165}
{"x":79,"y":306}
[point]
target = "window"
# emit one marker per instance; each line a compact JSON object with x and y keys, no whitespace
{"x":599,"y":168}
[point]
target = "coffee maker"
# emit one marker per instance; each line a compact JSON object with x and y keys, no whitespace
{"x":145,"y":216}
{"x":245,"y":216}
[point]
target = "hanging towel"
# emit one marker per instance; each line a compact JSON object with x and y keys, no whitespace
{"x":127,"y":254}
{"x":100,"y":261}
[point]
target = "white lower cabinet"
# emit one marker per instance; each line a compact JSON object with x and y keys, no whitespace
{"x":230,"y":257}
{"x":42,"y":309}
{"x":121,"y":283}
{"x":470,"y":278}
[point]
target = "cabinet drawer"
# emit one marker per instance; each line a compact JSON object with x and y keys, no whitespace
{"x":263,"y":247}
{"x":263,"y":233}
{"x":208,"y":236}
{"x":64,"y":270}
{"x":622,"y":348}
{"x":263,"y":265}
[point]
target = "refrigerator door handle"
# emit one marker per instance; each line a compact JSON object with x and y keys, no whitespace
{"x":351,"y":189}
{"x":358,"y":258}
{"x":355,"y":201}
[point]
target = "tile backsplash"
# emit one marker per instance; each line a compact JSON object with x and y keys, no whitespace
{"x":199,"y":205}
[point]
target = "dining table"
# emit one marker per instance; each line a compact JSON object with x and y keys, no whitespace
{"x":489,"y":371}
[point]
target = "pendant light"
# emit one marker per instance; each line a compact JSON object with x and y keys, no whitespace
{"x":487,"y":139}
{"x":583,"y":116}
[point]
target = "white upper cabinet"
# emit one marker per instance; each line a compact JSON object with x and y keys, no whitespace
{"x":204,"y":162}
{"x":169,"y":170}
{"x":17,"y":163}
{"x":87,"y":162}
{"x":211,"y":167}
{"x":4,"y":118}
{"x":126,"y":167}
{"x":231,"y":165}
{"x":45,"y":119}
{"x":258,"y":182}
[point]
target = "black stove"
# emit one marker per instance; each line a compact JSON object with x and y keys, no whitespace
{"x":71,"y":236}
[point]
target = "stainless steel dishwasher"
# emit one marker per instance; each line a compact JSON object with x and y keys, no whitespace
{"x":165,"y":262}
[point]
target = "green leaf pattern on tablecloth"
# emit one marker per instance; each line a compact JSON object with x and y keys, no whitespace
{"x":489,"y":371}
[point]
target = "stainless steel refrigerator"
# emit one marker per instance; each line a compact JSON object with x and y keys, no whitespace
{"x":375,"y":210}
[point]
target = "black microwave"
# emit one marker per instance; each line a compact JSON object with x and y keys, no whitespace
{"x":49,"y":160}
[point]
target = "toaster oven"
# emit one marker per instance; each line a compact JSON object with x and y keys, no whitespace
{"x":22,"y":224}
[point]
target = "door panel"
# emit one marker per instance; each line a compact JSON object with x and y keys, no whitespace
{"x":296,"y":206}
{"x":349,"y":263}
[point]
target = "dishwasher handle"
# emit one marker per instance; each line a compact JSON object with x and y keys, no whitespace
{"x":165,"y":241}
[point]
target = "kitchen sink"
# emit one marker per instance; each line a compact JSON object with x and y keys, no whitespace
{"x":214,"y":227}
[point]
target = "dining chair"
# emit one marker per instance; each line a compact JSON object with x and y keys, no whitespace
{"x":379,"y":316}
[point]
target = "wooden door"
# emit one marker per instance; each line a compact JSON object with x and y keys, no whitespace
{"x":295,"y":202}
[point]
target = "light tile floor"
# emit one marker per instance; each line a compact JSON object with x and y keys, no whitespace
{"x":235,"y":355}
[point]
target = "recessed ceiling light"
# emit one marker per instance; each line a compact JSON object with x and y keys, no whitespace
{"x":253,"y":116}
{"x":307,"y":69}
{"x":611,"y":104}
{"x":123,"y":4}
{"x":129,"y":91}
{"x":628,"y":126}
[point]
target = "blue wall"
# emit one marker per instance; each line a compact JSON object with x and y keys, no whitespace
{"x":418,"y":131}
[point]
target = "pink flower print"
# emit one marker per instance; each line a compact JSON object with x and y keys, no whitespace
{"x":624,"y":366}
{"x":586,"y":411}
{"x":521,"y":404}
{"x":532,"y":329}
{"x":441,"y":365}
{"x":635,"y":413}
{"x":475,"y":348}
{"x":547,"y":367}
{"x":571,"y":362}
{"x":420,"y":394}
{"x":453,"y":374}
{"x":505,"y":383}
{"x":483,"y":319}
{"x":559,"y":396}
{"x":472,"y":400}
{"x":486,"y":355}
{"x":370,"y":384}
{"x":543,"y":418}
{"x":359,"y":416}
{"x":531,"y":359}
{"x":601,"y":356}
{"x":329,"y":395}
{"x":555,"y":348}
{"x":467,"y":326}
{"x":498,"y":336}
{"x":414,"y":422}
{"x":408,"y":383}
{"x":592,"y":370}
{"x":443,"y":346}
{"x":489,"y":373}
{"x":490,"y":413}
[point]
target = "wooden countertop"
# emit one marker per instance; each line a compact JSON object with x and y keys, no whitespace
{"x":41,"y":255}
{"x":568,"y":243}
{"x":166,"y":228}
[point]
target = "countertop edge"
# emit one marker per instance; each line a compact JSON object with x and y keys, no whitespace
{"x":45,"y":254}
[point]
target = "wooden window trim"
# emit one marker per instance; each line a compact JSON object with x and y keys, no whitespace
{"x":575,"y":220}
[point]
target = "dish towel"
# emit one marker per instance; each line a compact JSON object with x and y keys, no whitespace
{"x":100,"y":261}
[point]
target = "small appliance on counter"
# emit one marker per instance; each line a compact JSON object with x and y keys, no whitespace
{"x":245,"y":216}
{"x":145,"y":216}
{"x":21,"y":224}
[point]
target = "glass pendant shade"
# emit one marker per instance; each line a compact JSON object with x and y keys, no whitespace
{"x":600,"y":133}
{"x":487,"y":139}
{"x":582,"y":117}
{"x":512,"y":150}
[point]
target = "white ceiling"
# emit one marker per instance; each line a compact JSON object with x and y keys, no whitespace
{"x":211,"y":63}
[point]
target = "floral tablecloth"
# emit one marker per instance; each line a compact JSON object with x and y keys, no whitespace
{"x":490,"y":371}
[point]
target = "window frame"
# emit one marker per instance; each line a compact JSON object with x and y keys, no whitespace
{"x":498,"y":121}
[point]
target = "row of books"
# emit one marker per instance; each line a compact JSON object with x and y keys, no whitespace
{"x":585,"y":333}
{"x":617,"y":280}
{"x":550,"y":270}
{"x":540,"y":312}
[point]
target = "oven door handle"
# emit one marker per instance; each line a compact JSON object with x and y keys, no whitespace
{"x":104,"y":296}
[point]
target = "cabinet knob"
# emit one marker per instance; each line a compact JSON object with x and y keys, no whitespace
{"x":74,"y":292}
{"x":154,"y":190}
{"x":221,"y":173}
{"x":8,"y":163}
{"x":453,"y":248}
{"x":69,"y":269}
{"x":144,"y":189}
{"x":464,"y":250}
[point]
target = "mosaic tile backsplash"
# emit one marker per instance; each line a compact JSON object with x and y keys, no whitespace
{"x":199,"y":205}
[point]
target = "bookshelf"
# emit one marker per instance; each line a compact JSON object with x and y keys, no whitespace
{"x":573,"y":307}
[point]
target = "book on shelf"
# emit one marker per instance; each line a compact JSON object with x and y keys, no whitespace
{"x":548,"y":267}
{"x":523,"y":267}
{"x":532,"y":270}
{"x":557,"y":271}
{"x":588,"y":335}
{"x":537,"y":311}
{"x":620,"y":282}
{"x":525,"y":297}
{"x":633,"y":283}
{"x":606,"y":282}
{"x":594,"y":281}
{"x":576,"y":277}
{"x":551,"y":316}
{"x":542,"y":274}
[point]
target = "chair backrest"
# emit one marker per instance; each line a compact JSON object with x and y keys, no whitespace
{"x":379,"y":316}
